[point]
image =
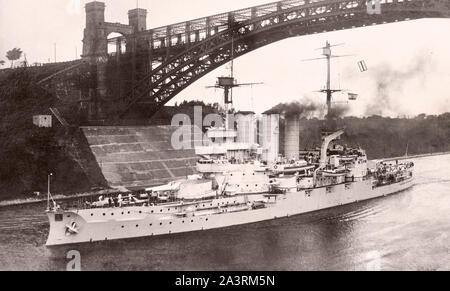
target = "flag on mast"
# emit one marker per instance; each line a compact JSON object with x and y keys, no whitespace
{"x":362,"y":66}
{"x":352,"y":96}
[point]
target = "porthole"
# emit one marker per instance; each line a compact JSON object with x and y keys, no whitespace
{"x":151,"y":224}
{"x":160,"y":210}
{"x":192,"y":220}
{"x":153,"y":211}
{"x":160,"y":223}
{"x":183,"y":221}
{"x":104,"y":214}
{"x":123,"y":213}
{"x":92,"y":214}
{"x":170,"y":222}
{"x":140,"y":212}
{"x":112,"y":214}
{"x":137,"y":225}
{"x":123,"y":226}
{"x":129,"y":212}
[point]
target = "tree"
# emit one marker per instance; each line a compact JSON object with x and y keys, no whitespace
{"x":2,"y":63}
{"x":14,"y":55}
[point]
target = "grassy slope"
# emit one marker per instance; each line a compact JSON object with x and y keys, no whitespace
{"x":28,"y":153}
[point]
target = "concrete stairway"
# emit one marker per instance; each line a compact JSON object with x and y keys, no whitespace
{"x":136,"y":157}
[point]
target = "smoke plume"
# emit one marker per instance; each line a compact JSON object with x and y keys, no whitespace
{"x":338,"y":111}
{"x":294,"y":108}
{"x":390,"y":82}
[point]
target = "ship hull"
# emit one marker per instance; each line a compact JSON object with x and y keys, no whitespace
{"x":95,"y":225}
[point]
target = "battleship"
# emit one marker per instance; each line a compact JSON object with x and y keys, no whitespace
{"x":237,"y":183}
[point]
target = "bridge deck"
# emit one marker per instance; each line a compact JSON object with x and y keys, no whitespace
{"x":216,"y":23}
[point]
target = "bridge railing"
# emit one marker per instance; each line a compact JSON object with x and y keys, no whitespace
{"x":198,"y":29}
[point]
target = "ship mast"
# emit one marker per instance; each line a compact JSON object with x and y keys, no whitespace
{"x":227,"y":84}
{"x":328,"y":55}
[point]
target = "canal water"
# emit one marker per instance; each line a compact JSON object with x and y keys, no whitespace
{"x":407,"y":231}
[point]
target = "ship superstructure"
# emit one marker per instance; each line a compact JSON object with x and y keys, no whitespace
{"x":236,"y":184}
{"x":340,"y":177}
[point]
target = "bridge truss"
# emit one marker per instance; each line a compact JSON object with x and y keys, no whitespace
{"x":182,"y":53}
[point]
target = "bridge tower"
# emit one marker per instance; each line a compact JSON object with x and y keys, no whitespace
{"x":95,"y":43}
{"x":95,"y":47}
{"x":137,"y":18}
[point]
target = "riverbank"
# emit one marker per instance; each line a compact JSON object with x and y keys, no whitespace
{"x":417,"y":156}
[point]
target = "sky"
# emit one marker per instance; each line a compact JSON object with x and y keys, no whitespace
{"x":407,"y":61}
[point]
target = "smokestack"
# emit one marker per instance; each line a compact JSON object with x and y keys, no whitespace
{"x":269,"y":136}
{"x":246,"y":127}
{"x":292,"y":137}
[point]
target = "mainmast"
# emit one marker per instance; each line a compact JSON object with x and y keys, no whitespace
{"x":328,"y":55}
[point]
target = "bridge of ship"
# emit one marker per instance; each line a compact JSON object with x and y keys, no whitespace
{"x":179,"y":54}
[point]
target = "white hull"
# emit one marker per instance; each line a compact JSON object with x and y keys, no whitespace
{"x":94,"y":225}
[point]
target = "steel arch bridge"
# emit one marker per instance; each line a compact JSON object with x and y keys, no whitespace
{"x":187,"y":51}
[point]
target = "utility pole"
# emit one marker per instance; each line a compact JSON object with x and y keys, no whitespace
{"x":54,"y":51}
